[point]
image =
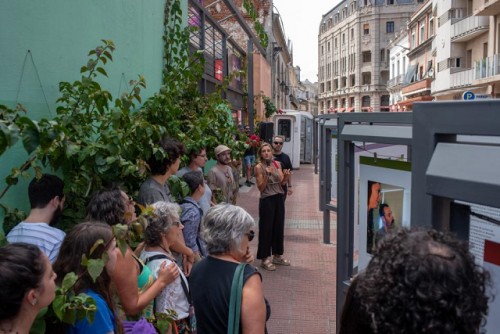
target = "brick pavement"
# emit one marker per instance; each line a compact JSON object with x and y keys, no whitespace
{"x":302,"y":296}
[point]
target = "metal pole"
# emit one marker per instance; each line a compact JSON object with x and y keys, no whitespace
{"x":250,"y":84}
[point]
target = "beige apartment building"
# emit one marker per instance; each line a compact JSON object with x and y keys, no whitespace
{"x":353,"y":58}
{"x":453,"y":53}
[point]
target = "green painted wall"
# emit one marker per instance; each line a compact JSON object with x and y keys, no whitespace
{"x":59,"y":34}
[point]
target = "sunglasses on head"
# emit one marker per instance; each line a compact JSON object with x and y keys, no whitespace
{"x":278,"y":143}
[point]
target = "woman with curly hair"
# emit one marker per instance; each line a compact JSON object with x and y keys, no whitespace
{"x":418,"y":282}
{"x":163,"y":228}
{"x":79,"y":242}
{"x":134,"y":282}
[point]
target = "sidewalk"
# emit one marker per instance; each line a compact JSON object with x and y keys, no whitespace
{"x":302,"y":296}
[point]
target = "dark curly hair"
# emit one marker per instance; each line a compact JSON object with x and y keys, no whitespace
{"x":21,"y":269}
{"x":107,"y":206}
{"x":423,"y":282}
{"x":173,"y":150}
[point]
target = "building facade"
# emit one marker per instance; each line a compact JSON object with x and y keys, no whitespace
{"x":453,"y":50}
{"x":353,"y":58}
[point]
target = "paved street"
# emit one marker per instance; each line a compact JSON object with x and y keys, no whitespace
{"x":302,"y":296}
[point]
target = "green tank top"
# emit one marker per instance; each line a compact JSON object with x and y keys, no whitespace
{"x":144,"y":281}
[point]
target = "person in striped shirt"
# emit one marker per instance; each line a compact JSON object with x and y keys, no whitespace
{"x":46,"y":195}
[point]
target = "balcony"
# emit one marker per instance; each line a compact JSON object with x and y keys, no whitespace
{"x":487,"y":67}
{"x":486,"y":7}
{"x":396,"y":81}
{"x":470,"y":27}
{"x":417,"y":87}
{"x":461,"y":78}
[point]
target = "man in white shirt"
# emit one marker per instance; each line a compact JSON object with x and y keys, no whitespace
{"x":46,"y":196}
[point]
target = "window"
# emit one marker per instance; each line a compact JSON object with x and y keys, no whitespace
{"x":328,"y":47}
{"x":393,"y":71}
{"x":365,"y":101}
{"x":366,"y":29}
{"x":367,"y":56}
{"x":390,"y":2}
{"x":284,"y":127}
{"x":431,"y":27}
{"x":468,"y":59}
{"x":389,"y":26}
{"x":322,"y":49}
{"x":413,"y":38}
{"x":335,"y":42}
{"x":382,"y":54}
{"x":352,"y":33}
{"x":397,"y":67}
{"x":343,"y":39}
{"x":366,"y":77}
{"x":421,"y":37}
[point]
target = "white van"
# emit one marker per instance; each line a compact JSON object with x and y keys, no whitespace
{"x":297,"y":129}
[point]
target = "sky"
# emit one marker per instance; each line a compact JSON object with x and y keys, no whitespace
{"x":301,"y":19}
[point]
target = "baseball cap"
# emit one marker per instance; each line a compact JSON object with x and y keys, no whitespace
{"x":221,"y":148}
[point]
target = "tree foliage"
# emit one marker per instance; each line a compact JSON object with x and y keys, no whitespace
{"x":96,"y":139}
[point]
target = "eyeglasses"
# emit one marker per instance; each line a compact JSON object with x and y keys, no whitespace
{"x":278,"y":143}
{"x":250,"y":235}
{"x":176,"y":223}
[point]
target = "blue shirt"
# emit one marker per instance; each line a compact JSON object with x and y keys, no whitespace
{"x":191,"y":219}
{"x":104,"y":319}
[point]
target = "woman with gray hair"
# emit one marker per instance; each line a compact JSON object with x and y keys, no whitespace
{"x":163,"y":228}
{"x":227,"y":231}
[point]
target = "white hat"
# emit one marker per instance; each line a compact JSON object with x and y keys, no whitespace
{"x":221,"y":148}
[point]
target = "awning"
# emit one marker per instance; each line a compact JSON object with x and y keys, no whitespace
{"x":366,"y":108}
{"x":341,"y":109}
{"x":410,"y":73}
{"x":351,"y":109}
{"x":408,"y":102}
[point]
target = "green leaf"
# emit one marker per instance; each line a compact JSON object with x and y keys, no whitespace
{"x":69,"y":316}
{"x":95,"y":268}
{"x":102,"y":71}
{"x":58,"y":306}
{"x":30,"y":134}
{"x":69,"y":281}
{"x":96,"y":244}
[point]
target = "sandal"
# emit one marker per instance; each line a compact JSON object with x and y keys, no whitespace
{"x":281,"y":261}
{"x":268,"y":265}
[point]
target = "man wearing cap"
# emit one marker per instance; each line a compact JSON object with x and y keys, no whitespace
{"x":220,"y":177}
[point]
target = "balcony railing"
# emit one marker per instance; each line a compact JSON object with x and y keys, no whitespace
{"x":469,"y":27}
{"x":462,"y":78}
{"x":487,"y":67}
{"x":398,"y":80}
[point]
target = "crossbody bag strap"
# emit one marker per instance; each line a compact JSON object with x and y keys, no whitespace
{"x":235,"y":300}
{"x":183,"y":283}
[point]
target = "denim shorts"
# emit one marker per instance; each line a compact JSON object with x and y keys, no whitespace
{"x":249,"y":160}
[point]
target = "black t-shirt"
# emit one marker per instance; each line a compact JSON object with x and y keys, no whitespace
{"x":286,"y":163}
{"x":210,"y":284}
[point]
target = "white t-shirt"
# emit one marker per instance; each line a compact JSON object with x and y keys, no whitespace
{"x":172,"y":297}
{"x":46,"y":237}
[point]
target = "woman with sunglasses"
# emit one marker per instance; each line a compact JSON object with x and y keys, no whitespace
{"x":163,"y":229}
{"x":269,"y":177}
{"x":227,"y":231}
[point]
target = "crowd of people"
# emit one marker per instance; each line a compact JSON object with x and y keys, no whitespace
{"x":193,"y":246}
